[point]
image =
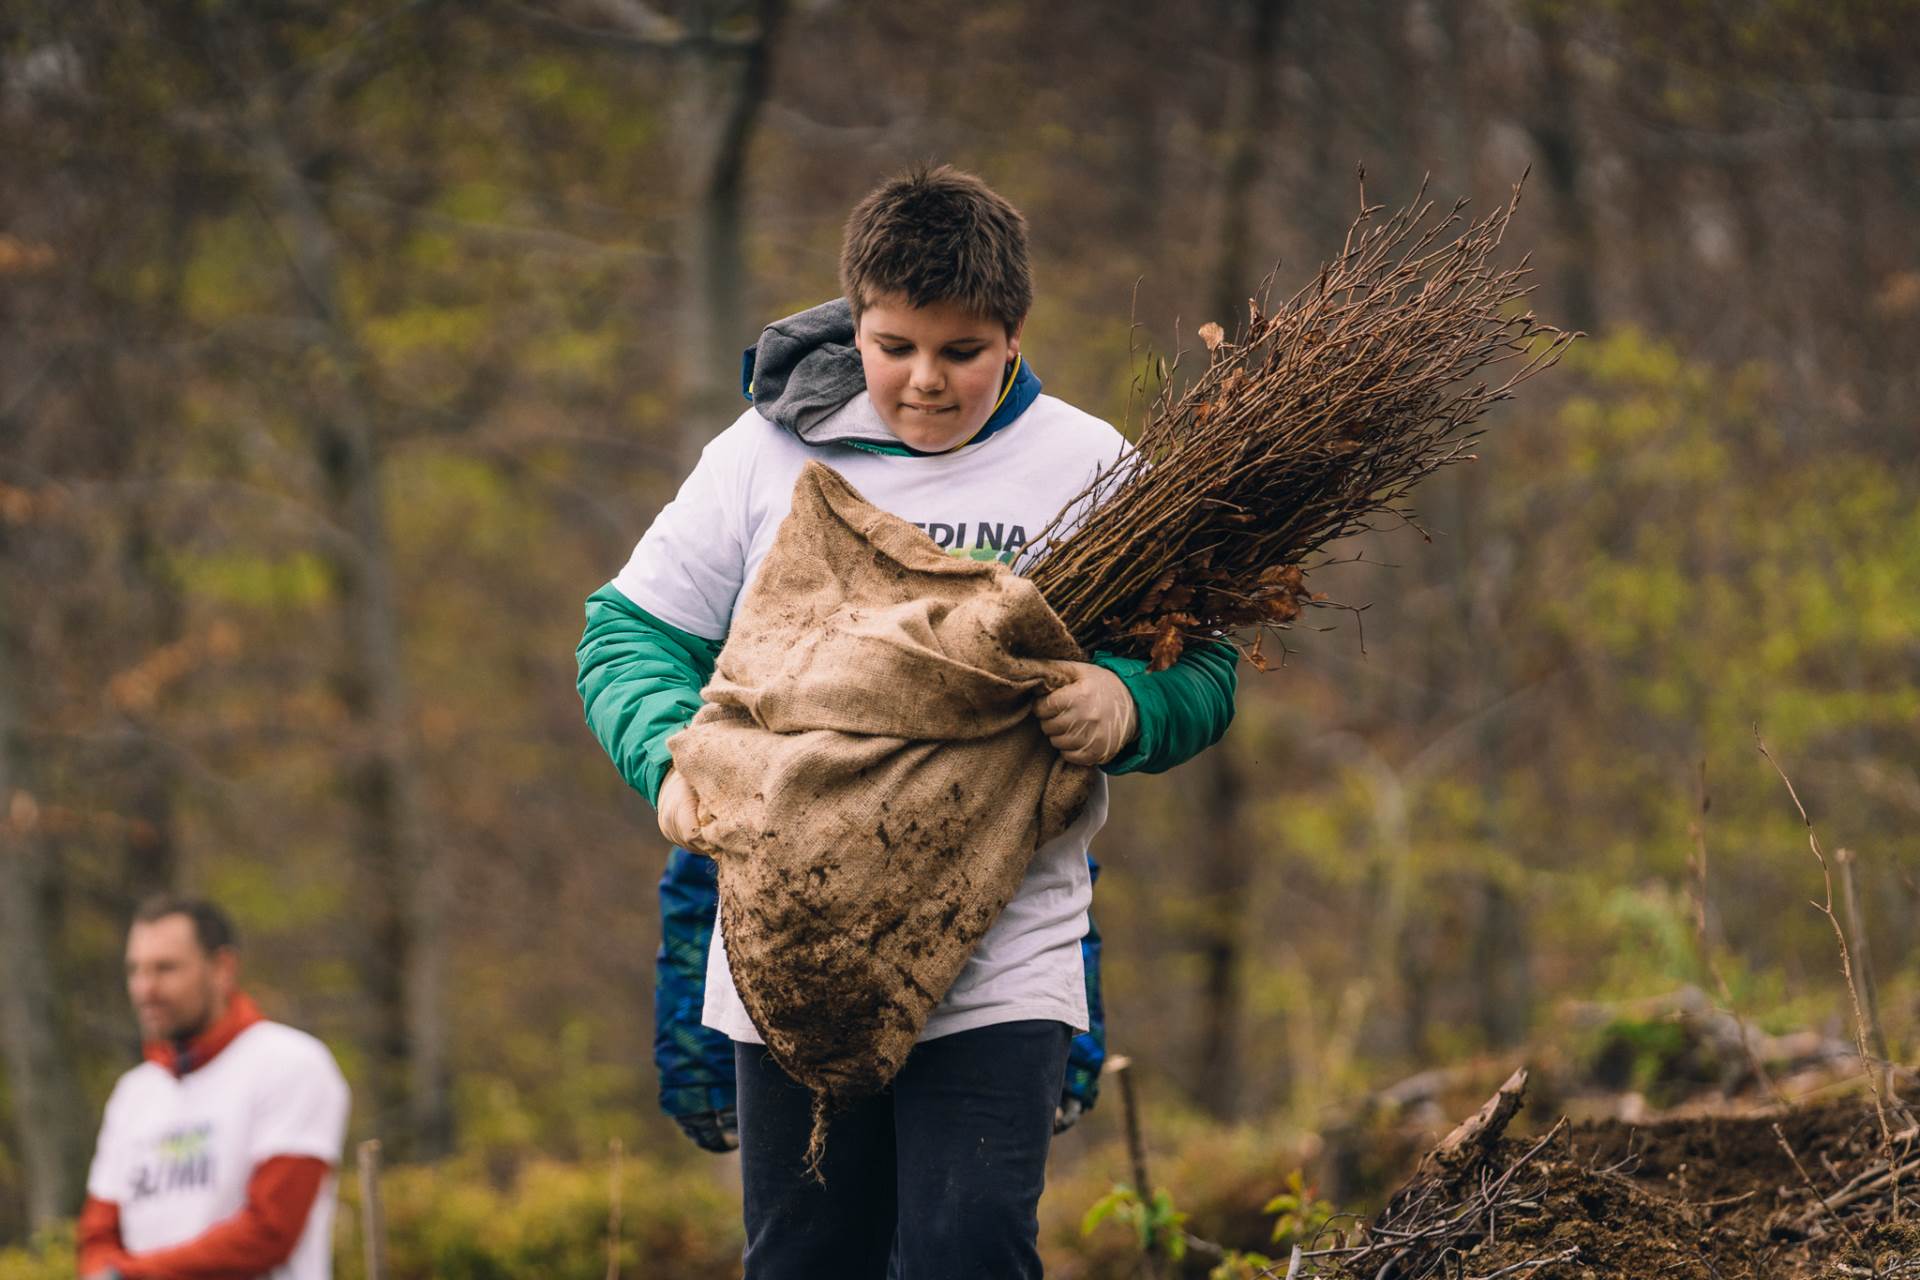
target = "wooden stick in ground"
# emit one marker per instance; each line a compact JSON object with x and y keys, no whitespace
{"x":613,"y":1209}
{"x":1863,"y":964}
{"x":373,"y":1225}
{"x":1120,"y":1068}
{"x":1846,"y":970}
{"x":1483,"y":1128}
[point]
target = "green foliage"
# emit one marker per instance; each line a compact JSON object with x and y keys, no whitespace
{"x":1732,"y":577}
{"x":48,"y":1256}
{"x":1656,"y":948}
{"x":1299,"y":1213}
{"x":1701,"y":569}
{"x":254,"y":580}
{"x":1159,"y":1227}
{"x":1242,"y":1265}
{"x":456,"y":1221}
{"x":1643,"y":1054}
{"x":557,"y":1094}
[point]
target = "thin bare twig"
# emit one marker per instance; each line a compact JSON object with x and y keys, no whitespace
{"x":1812,"y":1190}
{"x":1863,"y":958}
{"x":1860,"y":1033}
{"x":1120,"y":1067}
{"x":1569,"y":1254}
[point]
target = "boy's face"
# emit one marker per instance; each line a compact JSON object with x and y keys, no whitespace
{"x":933,"y":372}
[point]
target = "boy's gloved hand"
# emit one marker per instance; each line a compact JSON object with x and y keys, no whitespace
{"x":1089,"y":717}
{"x":716,"y":1131}
{"x":677,"y":810}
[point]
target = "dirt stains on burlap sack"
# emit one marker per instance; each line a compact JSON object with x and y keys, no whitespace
{"x":870,"y":780}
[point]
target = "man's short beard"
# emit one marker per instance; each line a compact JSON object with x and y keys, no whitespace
{"x":187,"y":1034}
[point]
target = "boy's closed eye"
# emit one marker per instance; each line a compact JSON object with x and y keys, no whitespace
{"x":957,"y":354}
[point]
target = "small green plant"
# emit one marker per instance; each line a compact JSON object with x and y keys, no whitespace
{"x":1301,"y":1213}
{"x":1160,"y":1226}
{"x":1236,"y":1265}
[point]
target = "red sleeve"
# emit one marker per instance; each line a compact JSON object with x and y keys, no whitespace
{"x":97,"y":1236}
{"x":253,"y":1241}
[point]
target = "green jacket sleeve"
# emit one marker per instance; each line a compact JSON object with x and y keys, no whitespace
{"x":1183,"y":710}
{"x":640,"y":681}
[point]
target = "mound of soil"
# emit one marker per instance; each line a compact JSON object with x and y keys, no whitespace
{"x":1708,"y":1197}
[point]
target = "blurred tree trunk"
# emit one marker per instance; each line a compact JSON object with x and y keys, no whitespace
{"x":403,"y":894}
{"x":1226,"y":852}
{"x":1317,"y":34}
{"x":1438,"y":68}
{"x":1498,"y":954}
{"x":42,"y":1085}
{"x":725,"y":75}
{"x":135,"y":405}
{"x":152,"y":856}
{"x":1139,"y":117}
{"x":1502,"y":965}
{"x":1553,"y":123}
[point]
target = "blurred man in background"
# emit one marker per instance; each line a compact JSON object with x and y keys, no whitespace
{"x":217,"y":1153}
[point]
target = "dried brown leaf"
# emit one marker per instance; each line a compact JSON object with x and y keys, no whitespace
{"x":1289,"y":576}
{"x":1281,"y":608}
{"x":1166,"y":649}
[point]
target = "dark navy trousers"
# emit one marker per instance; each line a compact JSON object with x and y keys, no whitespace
{"x":937,"y":1177}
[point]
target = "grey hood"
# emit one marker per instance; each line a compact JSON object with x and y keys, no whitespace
{"x":804,"y":370}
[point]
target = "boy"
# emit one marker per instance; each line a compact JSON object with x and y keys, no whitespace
{"x":914,"y":388}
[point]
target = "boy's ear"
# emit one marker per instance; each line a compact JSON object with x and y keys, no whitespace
{"x":1013,"y":339}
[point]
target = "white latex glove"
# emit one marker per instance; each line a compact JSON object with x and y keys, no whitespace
{"x":677,"y":809}
{"x":1090,"y":717}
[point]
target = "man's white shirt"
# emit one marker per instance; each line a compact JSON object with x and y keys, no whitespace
{"x":175,"y":1153}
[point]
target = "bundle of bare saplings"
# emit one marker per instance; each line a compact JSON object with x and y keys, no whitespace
{"x":1319,"y":417}
{"x":868,"y":774}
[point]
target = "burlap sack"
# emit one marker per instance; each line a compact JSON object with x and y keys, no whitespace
{"x":870,"y":779}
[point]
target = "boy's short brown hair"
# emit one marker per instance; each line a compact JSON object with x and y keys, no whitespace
{"x":938,"y":235}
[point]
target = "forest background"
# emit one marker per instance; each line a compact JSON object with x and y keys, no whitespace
{"x":348,"y":347}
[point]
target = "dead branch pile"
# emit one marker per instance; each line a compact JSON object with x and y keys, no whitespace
{"x":1789,"y":1193}
{"x":1317,"y":417}
{"x":1457,"y":1200}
